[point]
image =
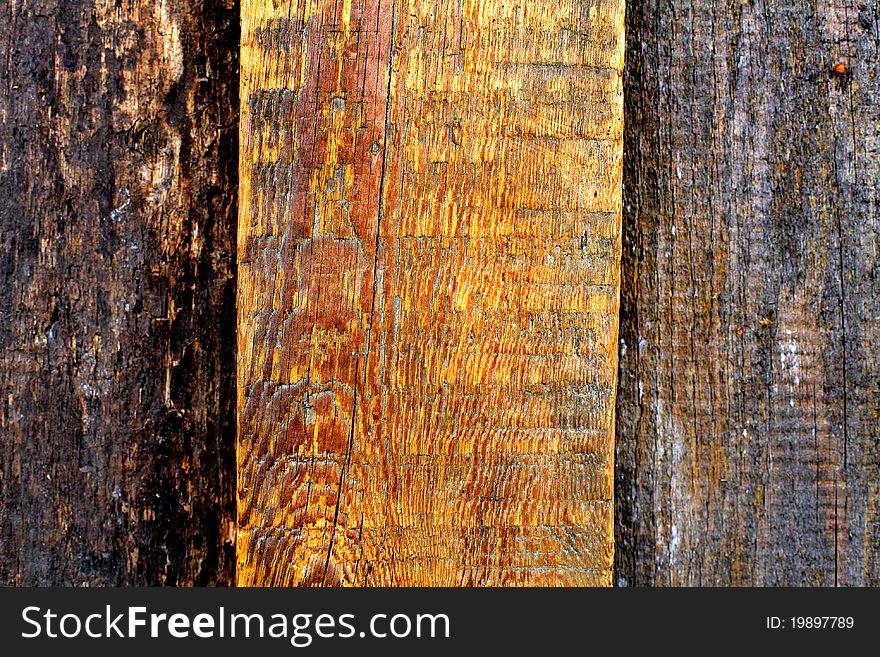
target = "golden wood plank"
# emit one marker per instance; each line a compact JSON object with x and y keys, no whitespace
{"x":429,"y":246}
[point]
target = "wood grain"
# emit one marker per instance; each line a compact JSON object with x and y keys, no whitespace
{"x":428,"y":254}
{"x":118,"y":156}
{"x":748,"y":405}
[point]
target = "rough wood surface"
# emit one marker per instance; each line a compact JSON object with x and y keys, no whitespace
{"x":748,"y":409}
{"x":118,"y":153}
{"x":428,"y":254}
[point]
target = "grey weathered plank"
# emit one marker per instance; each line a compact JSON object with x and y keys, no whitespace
{"x":748,"y":405}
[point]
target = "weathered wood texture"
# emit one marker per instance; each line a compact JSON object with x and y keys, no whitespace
{"x":118,"y":156}
{"x":748,"y":409}
{"x":428,"y":246}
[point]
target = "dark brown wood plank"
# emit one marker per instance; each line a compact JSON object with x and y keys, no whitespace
{"x":118,"y":154}
{"x":747,"y":441}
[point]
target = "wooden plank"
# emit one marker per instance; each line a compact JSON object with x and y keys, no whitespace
{"x":748,"y":406}
{"x":118,"y":151}
{"x":429,"y":243}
